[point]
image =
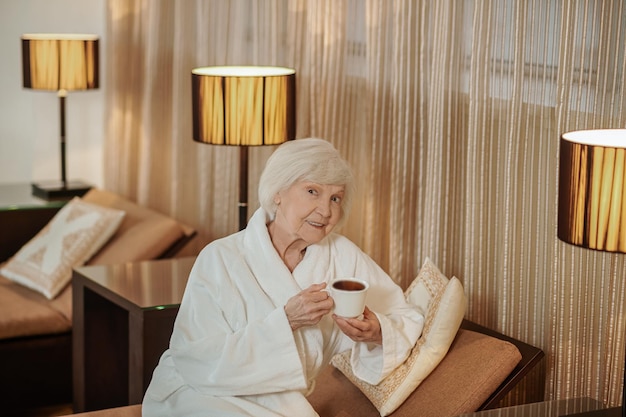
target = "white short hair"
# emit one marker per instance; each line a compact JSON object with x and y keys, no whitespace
{"x":310,"y":159}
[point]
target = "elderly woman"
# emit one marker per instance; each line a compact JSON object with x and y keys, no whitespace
{"x":256,"y":326}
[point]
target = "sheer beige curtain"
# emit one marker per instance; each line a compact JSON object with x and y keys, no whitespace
{"x":450,"y":113}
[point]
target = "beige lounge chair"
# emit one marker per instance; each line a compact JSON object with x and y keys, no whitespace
{"x":35,"y":333}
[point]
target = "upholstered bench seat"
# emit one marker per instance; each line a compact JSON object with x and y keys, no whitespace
{"x":24,"y":312}
{"x":469,"y":374}
{"x":128,"y":411}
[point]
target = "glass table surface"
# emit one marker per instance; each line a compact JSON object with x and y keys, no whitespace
{"x":19,"y":196}
{"x":148,"y":285}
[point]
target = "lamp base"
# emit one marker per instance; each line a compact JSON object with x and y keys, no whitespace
{"x":606,"y":412}
{"x":57,"y":190}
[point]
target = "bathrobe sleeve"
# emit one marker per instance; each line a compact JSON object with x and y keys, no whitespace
{"x":223,"y":346}
{"x":401,"y":323}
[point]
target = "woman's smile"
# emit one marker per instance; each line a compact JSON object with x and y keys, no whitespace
{"x":316,"y":224}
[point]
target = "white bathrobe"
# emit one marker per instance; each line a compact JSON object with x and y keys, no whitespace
{"x":232,"y":351}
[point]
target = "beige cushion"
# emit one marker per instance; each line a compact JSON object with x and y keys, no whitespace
{"x":442,"y":302}
{"x":74,"y":234}
{"x":472,"y":370}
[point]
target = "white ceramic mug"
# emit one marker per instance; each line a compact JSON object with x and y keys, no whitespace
{"x":349,"y":296}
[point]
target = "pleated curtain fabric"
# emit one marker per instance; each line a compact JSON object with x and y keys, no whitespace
{"x":450,"y":113}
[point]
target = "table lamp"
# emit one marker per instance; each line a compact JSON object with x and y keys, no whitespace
{"x":592,"y":199}
{"x":243,"y":106}
{"x":61,"y":63}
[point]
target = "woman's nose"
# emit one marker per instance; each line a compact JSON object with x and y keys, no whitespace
{"x":324,"y":208}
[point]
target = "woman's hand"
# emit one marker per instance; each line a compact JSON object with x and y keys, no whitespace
{"x":366,"y":330}
{"x":308,"y":306}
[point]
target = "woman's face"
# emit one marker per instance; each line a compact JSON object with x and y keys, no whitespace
{"x":308,"y":211}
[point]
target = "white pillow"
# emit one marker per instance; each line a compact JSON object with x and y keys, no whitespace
{"x":442,"y":302}
{"x":74,"y":234}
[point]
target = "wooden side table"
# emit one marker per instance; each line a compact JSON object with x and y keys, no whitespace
{"x":123,"y":317}
{"x":557,"y":408}
{"x":21,"y":216}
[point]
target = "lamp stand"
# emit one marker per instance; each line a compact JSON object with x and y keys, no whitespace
{"x":243,"y":187}
{"x":54,"y":190}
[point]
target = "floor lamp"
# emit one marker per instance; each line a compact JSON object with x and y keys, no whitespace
{"x":592,"y":200}
{"x":243,"y":106}
{"x":61,"y":63}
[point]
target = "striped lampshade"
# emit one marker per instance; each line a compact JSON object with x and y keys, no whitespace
{"x":592,"y":189}
{"x":243,"y":105}
{"x":58,"y":62}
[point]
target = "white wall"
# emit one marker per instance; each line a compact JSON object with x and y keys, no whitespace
{"x":29,"y":119}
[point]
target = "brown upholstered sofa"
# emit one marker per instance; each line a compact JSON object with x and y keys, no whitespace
{"x":474,"y":375}
{"x":35,"y":332}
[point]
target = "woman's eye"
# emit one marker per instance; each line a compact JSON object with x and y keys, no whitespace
{"x":311,"y":191}
{"x":336,"y":200}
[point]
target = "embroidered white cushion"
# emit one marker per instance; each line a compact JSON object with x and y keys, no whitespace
{"x":442,"y":301}
{"x":74,"y":234}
